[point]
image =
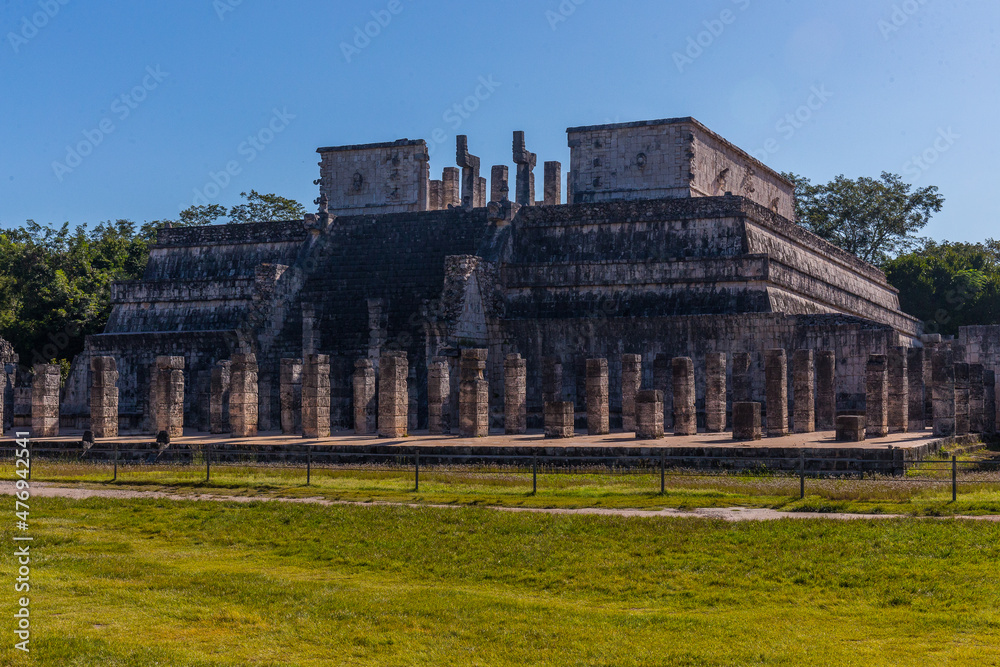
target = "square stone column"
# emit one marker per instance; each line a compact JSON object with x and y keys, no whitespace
{"x":877,"y":396}
{"x":961,"y":399}
{"x":915,"y":369}
{"x":899,"y":390}
{"x":451,"y":179}
{"x":747,"y":422}
{"x":500,"y":183}
{"x":715,"y":392}
{"x":989,"y":402}
{"x":559,"y":420}
{"x":649,"y":415}
{"x":976,"y":398}
{"x":393,"y":395}
{"x":803,"y":384}
{"x":365,"y":406}
{"x":776,"y":382}
{"x":166,"y":389}
{"x":316,"y":396}
{"x":826,"y":390}
{"x":598,"y":410}
{"x":552,"y":380}
{"x":104,"y":397}
{"x":515,"y":395}
{"x":438,"y":396}
{"x":218,"y":415}
{"x":45,"y":401}
{"x":290,"y":395}
{"x":943,"y":389}
{"x":474,"y":395}
{"x":553,"y":183}
{"x":685,"y":415}
{"x":663,"y":380}
{"x":851,"y":428}
{"x":631,"y":385}
{"x":243,"y":396}
{"x":742,"y":378}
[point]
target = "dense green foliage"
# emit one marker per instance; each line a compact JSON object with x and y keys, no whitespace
{"x":949,"y":285}
{"x":875,"y":219}
{"x":143,"y":583}
{"x":55,"y":282}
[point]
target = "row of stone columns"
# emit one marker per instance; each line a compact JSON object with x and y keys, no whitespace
{"x":964,"y":396}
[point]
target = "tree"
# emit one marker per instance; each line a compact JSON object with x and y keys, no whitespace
{"x":873,"y":219}
{"x":265,"y":208}
{"x":949,"y":285}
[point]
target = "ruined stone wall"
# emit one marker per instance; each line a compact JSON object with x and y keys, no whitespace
{"x":981,"y":345}
{"x":669,"y":158}
{"x":376,"y":178}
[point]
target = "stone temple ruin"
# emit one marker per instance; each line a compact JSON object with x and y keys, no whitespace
{"x":672,"y":281}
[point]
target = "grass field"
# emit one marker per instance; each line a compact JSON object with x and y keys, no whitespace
{"x":922,"y":492}
{"x":143,"y":583}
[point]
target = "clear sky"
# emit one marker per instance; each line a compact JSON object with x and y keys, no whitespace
{"x":118,"y":109}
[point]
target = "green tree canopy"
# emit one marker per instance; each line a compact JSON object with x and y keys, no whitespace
{"x":875,"y":219}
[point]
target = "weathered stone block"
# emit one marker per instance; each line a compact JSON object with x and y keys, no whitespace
{"x":631,"y":385}
{"x":104,"y":397}
{"x":685,"y":415}
{"x":899,"y":391}
{"x":826,"y":390}
{"x":649,"y":415}
{"x":393,"y":395}
{"x":851,"y":428}
{"x":559,"y":420}
{"x":803,"y":380}
{"x":943,"y":389}
{"x":715,"y":392}
{"x":316,"y":396}
{"x":45,"y":401}
{"x":474,"y":395}
{"x":515,"y":395}
{"x":877,"y":396}
{"x":598,"y":409}
{"x":439,"y":396}
{"x":776,"y":381}
{"x":243,"y":404}
{"x":747,"y":426}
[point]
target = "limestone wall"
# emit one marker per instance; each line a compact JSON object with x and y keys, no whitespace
{"x":376,"y":178}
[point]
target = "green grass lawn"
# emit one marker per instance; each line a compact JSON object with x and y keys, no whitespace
{"x":922,"y":492}
{"x":143,"y":583}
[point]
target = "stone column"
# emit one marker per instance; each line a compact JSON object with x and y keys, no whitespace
{"x":515,"y":395}
{"x":291,"y":396}
{"x":631,"y":384}
{"x":899,"y":391}
{"x":685,"y":416}
{"x":451,"y":189}
{"x":45,"y":401}
{"x":525,"y":161}
{"x":470,"y":171}
{"x":826,"y":390}
{"x":365,"y":407}
{"x":553,"y":183}
{"x":850,"y":428}
{"x":243,"y":396}
{"x":877,"y":396}
{"x":474,"y":395}
{"x":649,"y":415}
{"x":316,"y":396}
{"x":598,"y":410}
{"x":663,"y":380}
{"x":989,"y":402}
{"x":167,"y":396}
{"x":559,"y":417}
{"x":961,"y":399}
{"x":747,"y":422}
{"x":715,"y":392}
{"x":412,"y":400}
{"x":803,"y":380}
{"x":976,"y":398}
{"x":776,"y":380}
{"x":499,"y":183}
{"x":393,"y":395}
{"x":218,"y":418}
{"x":943,"y":390}
{"x":438,"y":396}
{"x":915,"y":389}
{"x":104,"y":397}
{"x":552,"y":380}
{"x":742,"y":378}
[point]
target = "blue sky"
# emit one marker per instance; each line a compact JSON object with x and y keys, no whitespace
{"x":126,"y":109}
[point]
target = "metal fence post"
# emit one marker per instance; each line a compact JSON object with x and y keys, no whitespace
{"x":534,"y":474}
{"x":309,"y":461}
{"x":663,"y":472}
{"x":802,"y":475}
{"x":416,"y":474}
{"x":954,"y":479}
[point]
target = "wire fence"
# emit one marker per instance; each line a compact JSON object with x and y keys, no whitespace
{"x":144,"y":464}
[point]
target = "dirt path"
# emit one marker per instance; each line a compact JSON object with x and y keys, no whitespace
{"x":733,"y":514}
